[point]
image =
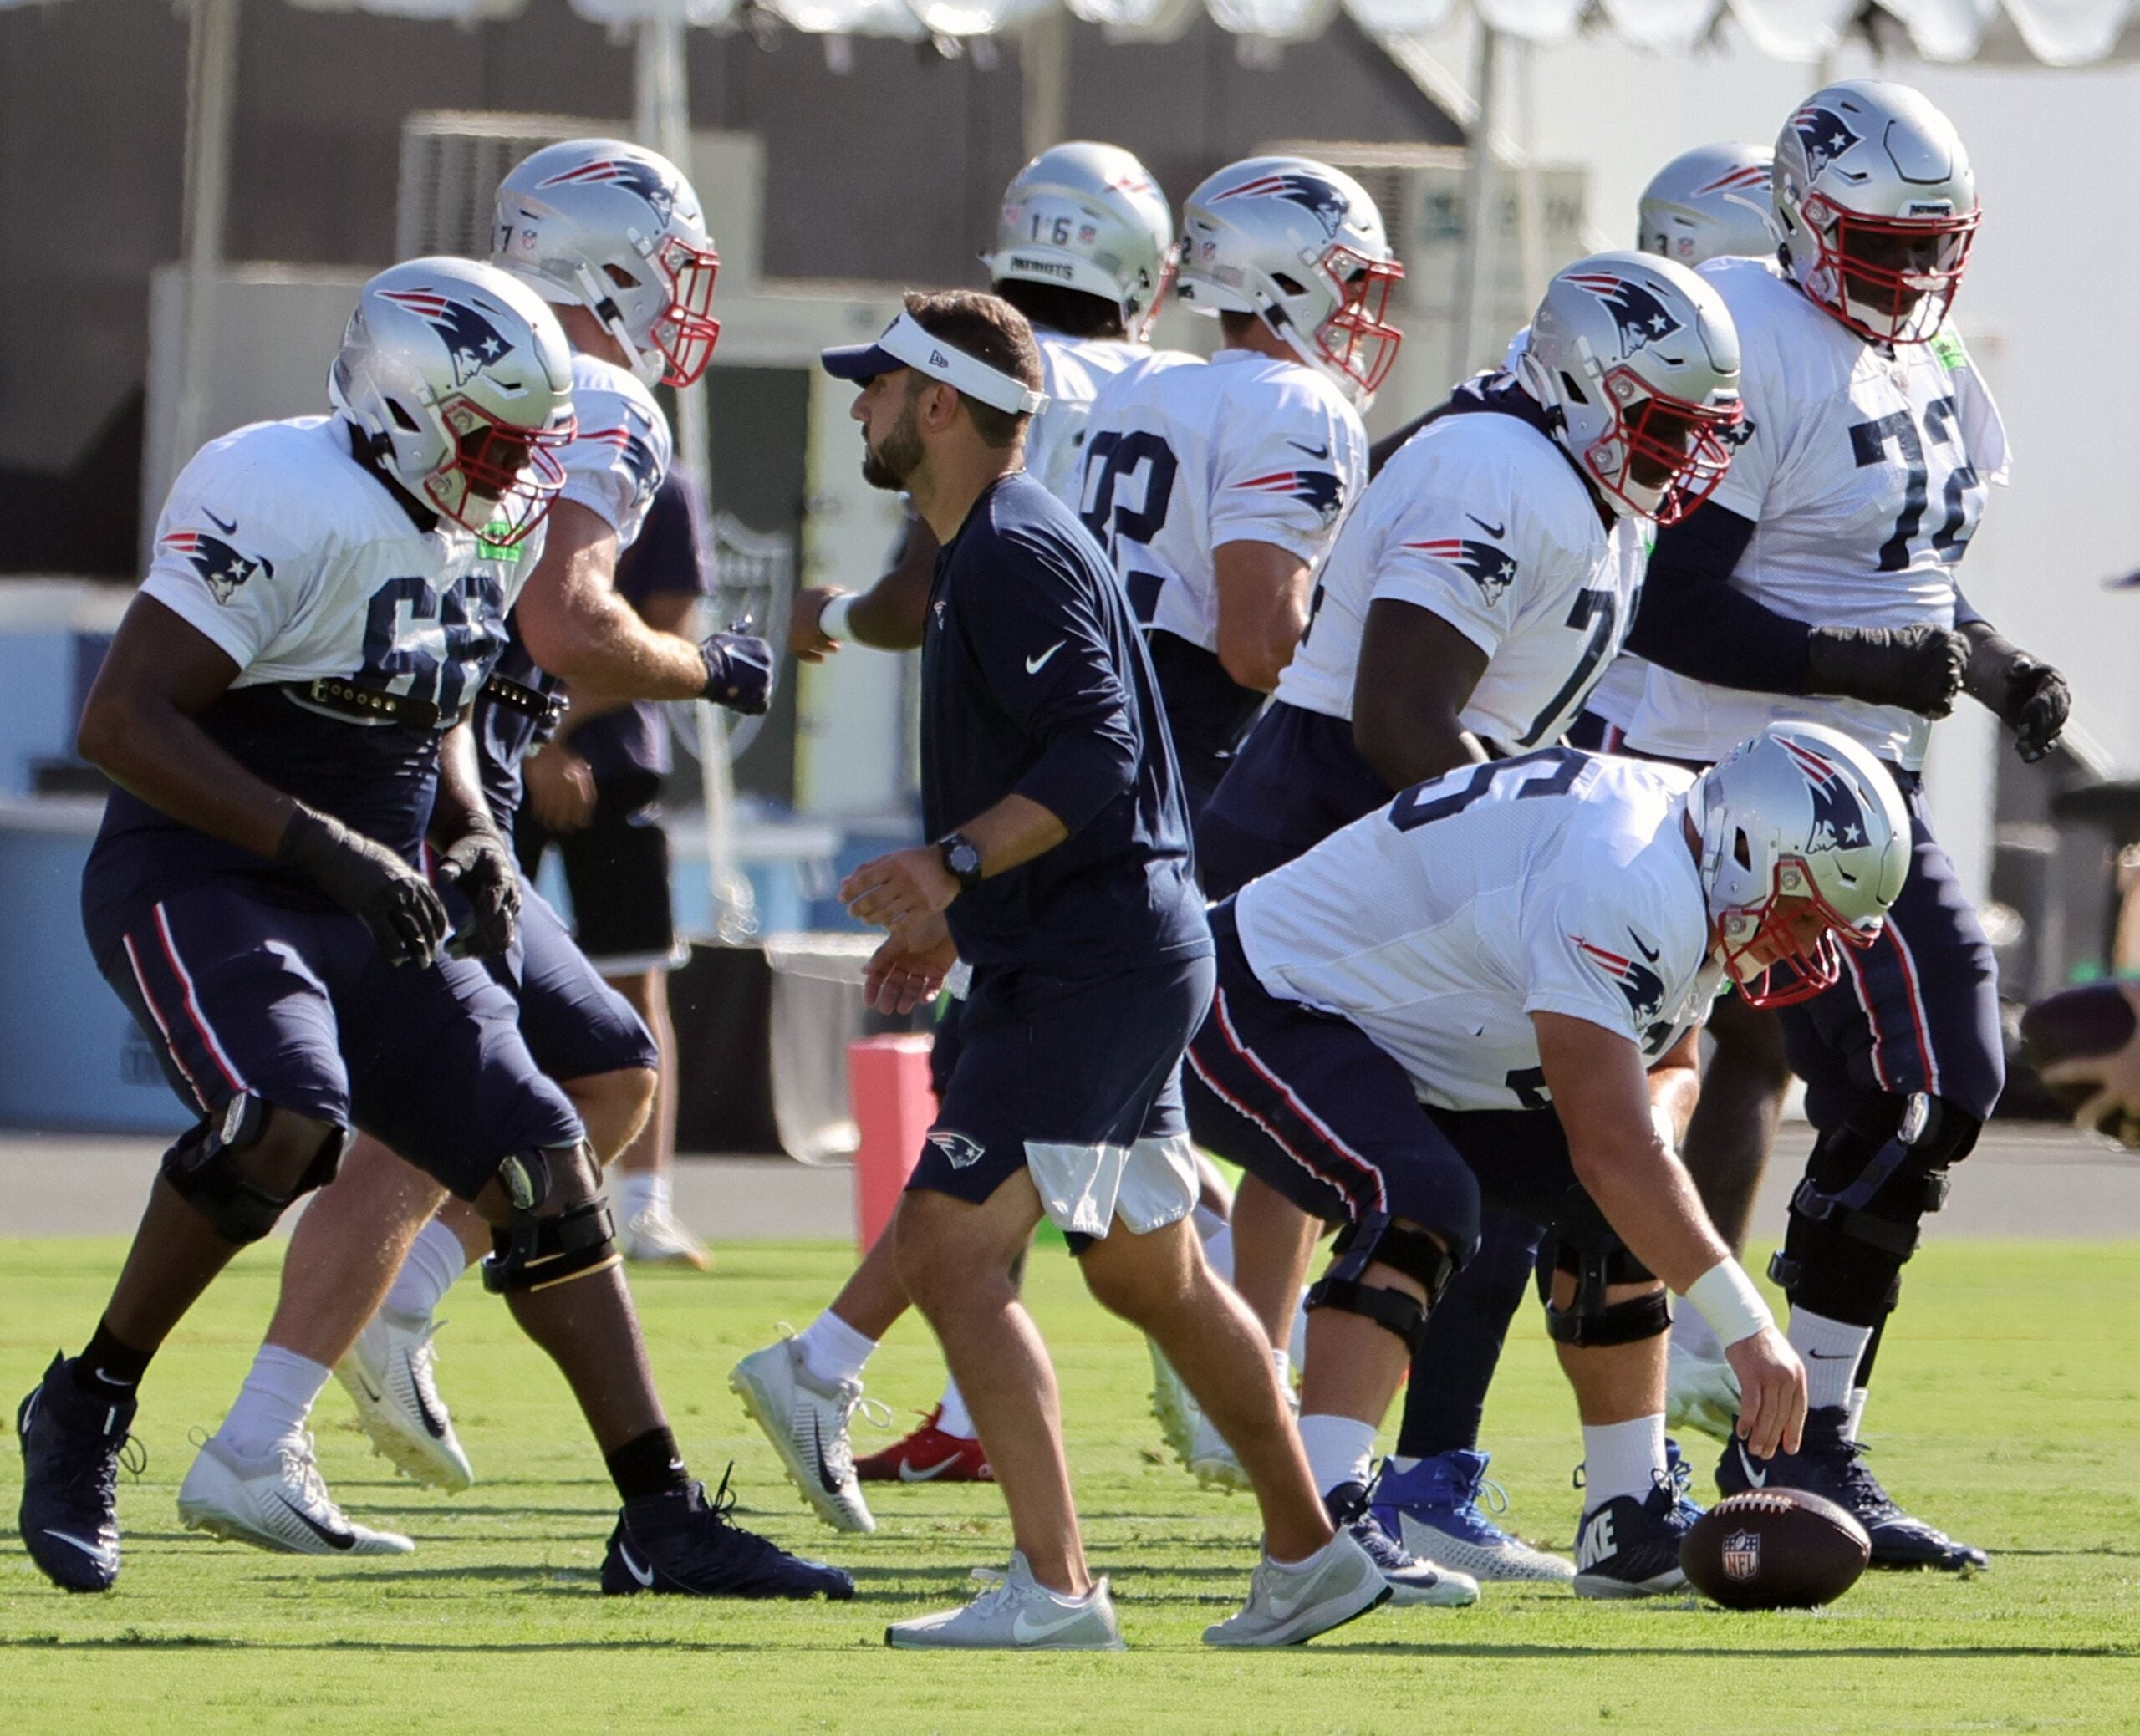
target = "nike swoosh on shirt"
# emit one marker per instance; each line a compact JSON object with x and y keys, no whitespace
{"x":913,"y":1473}
{"x":644,"y":1576}
{"x":1034,"y":666}
{"x":1321,"y":451}
{"x":326,"y":1533}
{"x":228,"y":527}
{"x":1643,"y":946}
{"x":1495,"y":530}
{"x":1758,"y":1478}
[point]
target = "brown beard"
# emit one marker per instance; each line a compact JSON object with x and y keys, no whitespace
{"x":889,"y":467}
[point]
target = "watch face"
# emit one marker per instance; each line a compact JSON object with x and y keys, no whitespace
{"x":963,"y":860}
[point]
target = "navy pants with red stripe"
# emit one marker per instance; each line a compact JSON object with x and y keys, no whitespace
{"x":243,"y":987}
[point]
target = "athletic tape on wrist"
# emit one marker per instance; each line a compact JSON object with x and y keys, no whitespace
{"x":1724,"y":1296}
{"x":832,"y":619}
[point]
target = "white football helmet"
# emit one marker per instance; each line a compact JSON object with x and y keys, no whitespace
{"x":1875,"y":206}
{"x":616,"y":229}
{"x":1088,"y":217}
{"x":1301,"y":245}
{"x":1637,"y":361}
{"x":1799,"y":811}
{"x":1711,"y":202}
{"x":461,"y":380}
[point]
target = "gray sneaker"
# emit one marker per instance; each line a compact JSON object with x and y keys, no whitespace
{"x":1017,"y":1615}
{"x":1287,"y":1604}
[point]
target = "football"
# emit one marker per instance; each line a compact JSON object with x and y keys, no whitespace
{"x":2096,"y":1019}
{"x":1780,"y":1549}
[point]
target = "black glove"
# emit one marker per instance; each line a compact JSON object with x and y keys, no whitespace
{"x":483,"y":866}
{"x":2031,"y":698}
{"x":738,"y":672}
{"x":405,"y":918}
{"x":1916,"y":668}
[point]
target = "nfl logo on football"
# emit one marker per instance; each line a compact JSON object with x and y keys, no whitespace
{"x":1742,"y":1555}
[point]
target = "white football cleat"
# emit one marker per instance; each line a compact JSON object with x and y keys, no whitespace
{"x":276,"y":1502}
{"x":389,"y":1374}
{"x":1700,"y":1392}
{"x":1017,"y":1614}
{"x":1287,"y":1604}
{"x":1172,"y":1404}
{"x":1211,"y":1461}
{"x":654,"y":1237}
{"x":806,"y":1420}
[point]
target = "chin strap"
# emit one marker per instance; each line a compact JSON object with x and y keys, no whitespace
{"x":647,"y":366}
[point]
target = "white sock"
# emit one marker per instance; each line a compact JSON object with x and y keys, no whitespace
{"x":1621,"y":1459}
{"x":953,"y":1419}
{"x":1338,"y":1449}
{"x":436,"y":1259}
{"x":1219,"y":1252}
{"x":1283,"y":1360}
{"x":1858,"y":1395}
{"x":1830,"y":1351}
{"x":832,"y":1351}
{"x":1298,"y":1339}
{"x":640,"y":1193}
{"x":274,"y":1403}
{"x":1693,"y":1335}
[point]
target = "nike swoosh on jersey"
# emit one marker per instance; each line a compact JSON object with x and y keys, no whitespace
{"x":228,"y":527}
{"x":328,"y":1536}
{"x":1642,"y":946}
{"x":1025,"y":1630}
{"x":910,"y":1474}
{"x":1492,"y":530}
{"x":99,"y":1553}
{"x":1759,"y":1478}
{"x":1321,"y":451}
{"x":1034,"y":666}
{"x":644,"y":1576}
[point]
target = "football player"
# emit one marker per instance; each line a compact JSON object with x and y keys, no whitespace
{"x":1473,"y":597}
{"x":610,"y":235}
{"x":1511,"y":1020}
{"x":1872,"y":445}
{"x":283,"y":712}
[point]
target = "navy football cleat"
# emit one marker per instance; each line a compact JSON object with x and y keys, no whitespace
{"x":1829,"y":1463}
{"x":71,"y":1445}
{"x":680,"y":1544}
{"x":1412,"y":1579}
{"x":1630,"y":1547}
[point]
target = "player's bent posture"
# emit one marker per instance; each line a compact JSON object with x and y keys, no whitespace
{"x":1510,"y":1019}
{"x":282,"y":709}
{"x":610,"y":235}
{"x":1084,"y":249}
{"x":1061,"y":875}
{"x":1864,"y":475}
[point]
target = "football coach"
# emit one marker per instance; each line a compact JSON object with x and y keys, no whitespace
{"x":1060,"y":872}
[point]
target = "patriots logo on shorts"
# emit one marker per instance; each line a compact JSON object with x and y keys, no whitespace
{"x":1644,"y":988}
{"x":1320,"y":489}
{"x":1838,"y":816}
{"x":1823,"y":135}
{"x":629,"y":173}
{"x":223,"y":568}
{"x":1492,"y":570}
{"x":1310,"y":192}
{"x":960,"y":1151}
{"x":471,"y":340}
{"x":1637,"y":309}
{"x":1742,"y":1555}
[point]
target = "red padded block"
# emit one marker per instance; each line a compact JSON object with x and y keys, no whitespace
{"x":888,"y":1088}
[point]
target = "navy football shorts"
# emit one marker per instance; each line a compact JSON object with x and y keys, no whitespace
{"x":1077,"y":1078}
{"x":1208,"y":712}
{"x":576,"y":1024}
{"x":617,"y":868}
{"x":239,"y":988}
{"x":1295,"y":780}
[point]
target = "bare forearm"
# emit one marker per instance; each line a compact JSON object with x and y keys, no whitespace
{"x":459,"y":805}
{"x":601,"y":644}
{"x":1648,"y":1198}
{"x":1410,"y":749}
{"x":890,"y":615}
{"x":1013,"y":832}
{"x":156,"y":752}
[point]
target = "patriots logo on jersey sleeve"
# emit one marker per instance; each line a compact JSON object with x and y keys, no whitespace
{"x":1319,"y":489}
{"x":1838,"y":816}
{"x":1492,"y":570}
{"x":1312,"y":193}
{"x":471,"y":340}
{"x":1637,"y":309}
{"x":1643,"y":988}
{"x":223,"y":568}
{"x":629,"y":173}
{"x":638,"y":457}
{"x":1823,"y":135}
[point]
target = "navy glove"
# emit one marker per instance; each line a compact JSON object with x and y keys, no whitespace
{"x":739,"y":670}
{"x":482,"y":865}
{"x":406,"y":920}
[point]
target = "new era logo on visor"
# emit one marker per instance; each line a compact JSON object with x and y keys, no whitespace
{"x":1638,"y":310}
{"x":472,"y":342}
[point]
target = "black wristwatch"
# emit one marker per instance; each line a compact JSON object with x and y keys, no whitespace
{"x":961,"y":860}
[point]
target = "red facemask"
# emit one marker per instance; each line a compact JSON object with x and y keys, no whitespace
{"x":1357,"y":339}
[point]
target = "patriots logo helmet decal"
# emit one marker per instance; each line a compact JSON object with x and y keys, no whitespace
{"x":1487,"y":566}
{"x":1839,"y":815}
{"x":1317,"y":196}
{"x":471,"y":340}
{"x":1643,"y":988}
{"x":221,"y":568}
{"x":631,"y":173}
{"x":1319,"y":489}
{"x":1638,"y":310}
{"x":1824,"y":135}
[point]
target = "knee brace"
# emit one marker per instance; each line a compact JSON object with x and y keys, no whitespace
{"x":1866,"y":1189}
{"x":557,"y":1228}
{"x":1375,"y":1239}
{"x":242,"y":1170}
{"x":1590,"y":1321}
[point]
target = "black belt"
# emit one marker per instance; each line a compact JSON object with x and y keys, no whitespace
{"x":375,"y":705}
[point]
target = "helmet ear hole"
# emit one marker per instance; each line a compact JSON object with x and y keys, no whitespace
{"x":1742,"y":852}
{"x":1291,"y":286}
{"x":1569,"y":386}
{"x":407,"y":423}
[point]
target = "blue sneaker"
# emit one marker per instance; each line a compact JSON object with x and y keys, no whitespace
{"x":71,"y":1444}
{"x":1630,"y":1547}
{"x":1433,"y":1510}
{"x":682,"y":1544}
{"x":1412,"y":1579}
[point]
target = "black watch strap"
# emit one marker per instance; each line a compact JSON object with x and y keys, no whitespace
{"x":961,"y":859}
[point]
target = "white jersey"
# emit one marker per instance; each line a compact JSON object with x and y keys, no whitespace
{"x":1559,"y":882}
{"x":297,"y":562}
{"x":1077,"y":369}
{"x":1865,"y":471}
{"x":1480,"y":519}
{"x":623,"y":449}
{"x":1180,"y":461}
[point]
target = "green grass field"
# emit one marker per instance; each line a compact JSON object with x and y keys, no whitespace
{"x":2008,"y":1409}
